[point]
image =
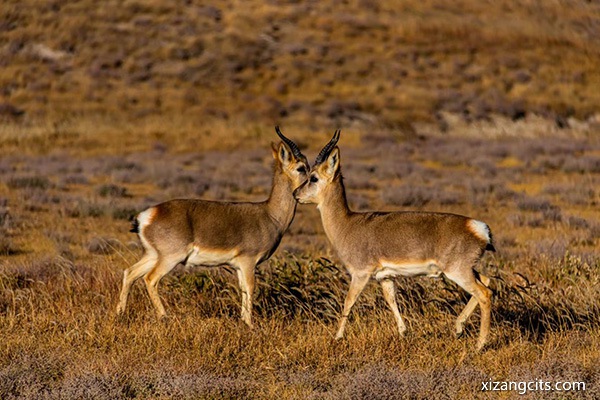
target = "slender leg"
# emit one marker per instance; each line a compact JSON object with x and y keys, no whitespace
{"x":469,"y":308}
{"x":163,"y":267}
{"x":245,"y":271}
{"x":357,"y":284}
{"x":389,"y":293}
{"x":133,"y":273}
{"x":465,"y":278}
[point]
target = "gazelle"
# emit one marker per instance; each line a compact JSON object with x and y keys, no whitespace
{"x":387,"y":244}
{"x":209,"y":233}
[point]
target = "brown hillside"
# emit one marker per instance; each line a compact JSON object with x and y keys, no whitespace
{"x":314,"y":62}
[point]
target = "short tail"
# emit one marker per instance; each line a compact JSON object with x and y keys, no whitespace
{"x":135,"y":225}
{"x":490,"y":244}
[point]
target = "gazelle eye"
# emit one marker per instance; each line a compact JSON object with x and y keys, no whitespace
{"x":301,"y":169}
{"x":314,"y":179}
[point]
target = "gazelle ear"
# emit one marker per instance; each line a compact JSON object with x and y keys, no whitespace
{"x":283,"y":153}
{"x":333,"y":161}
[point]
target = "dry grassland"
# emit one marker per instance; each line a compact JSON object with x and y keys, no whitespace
{"x":488,"y":109}
{"x":65,"y":244}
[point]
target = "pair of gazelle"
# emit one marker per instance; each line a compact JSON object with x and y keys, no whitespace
{"x":372,"y":244}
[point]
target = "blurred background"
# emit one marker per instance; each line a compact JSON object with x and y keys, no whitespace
{"x":242,"y":66}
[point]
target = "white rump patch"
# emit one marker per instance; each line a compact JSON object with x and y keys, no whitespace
{"x":144,"y":219}
{"x":394,"y":268}
{"x":210,"y":257}
{"x":480,"y":229}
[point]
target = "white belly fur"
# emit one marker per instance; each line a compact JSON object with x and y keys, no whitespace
{"x":210,"y":257}
{"x":417,"y":268}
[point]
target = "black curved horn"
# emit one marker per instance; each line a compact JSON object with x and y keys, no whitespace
{"x":328,"y":148}
{"x":293,"y":146}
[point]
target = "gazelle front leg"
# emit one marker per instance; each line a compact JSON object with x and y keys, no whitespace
{"x":357,"y":284}
{"x":245,"y":272}
{"x":389,"y":294}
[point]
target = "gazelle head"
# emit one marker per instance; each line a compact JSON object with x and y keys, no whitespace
{"x":323,"y":172}
{"x":290,"y":161}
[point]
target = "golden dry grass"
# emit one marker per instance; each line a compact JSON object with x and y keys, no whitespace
{"x":65,"y":244}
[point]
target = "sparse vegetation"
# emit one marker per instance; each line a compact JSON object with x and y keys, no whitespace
{"x":489,"y":110}
{"x":61,"y":275}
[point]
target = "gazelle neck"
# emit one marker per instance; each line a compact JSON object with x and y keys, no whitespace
{"x":281,"y":204}
{"x":334,"y":209}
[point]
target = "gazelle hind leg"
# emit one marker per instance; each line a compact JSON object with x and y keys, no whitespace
{"x":357,"y":284}
{"x":469,"y":308}
{"x":389,"y":294}
{"x":133,"y":273}
{"x":465,"y":278}
{"x":163,"y":267}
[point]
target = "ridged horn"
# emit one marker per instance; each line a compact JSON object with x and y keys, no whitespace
{"x":293,"y":146}
{"x":328,"y":148}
